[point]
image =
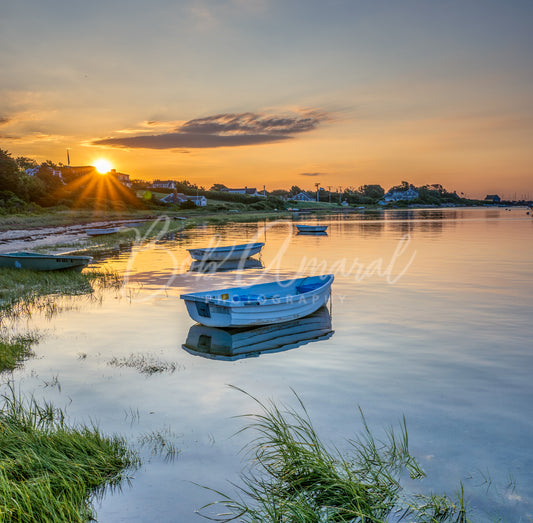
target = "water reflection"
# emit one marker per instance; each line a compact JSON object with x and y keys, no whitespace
{"x":228,"y":265}
{"x":234,"y":344}
{"x":311,"y":233}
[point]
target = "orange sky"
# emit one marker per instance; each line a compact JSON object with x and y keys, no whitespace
{"x":260,"y":92}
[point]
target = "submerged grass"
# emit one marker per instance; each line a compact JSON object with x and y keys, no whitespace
{"x":50,"y":471}
{"x":20,"y":288}
{"x":144,"y":363}
{"x":15,"y":348}
{"x":294,"y":477}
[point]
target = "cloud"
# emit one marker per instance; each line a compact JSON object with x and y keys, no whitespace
{"x":312,"y":174}
{"x":222,"y":130}
{"x":3,"y":120}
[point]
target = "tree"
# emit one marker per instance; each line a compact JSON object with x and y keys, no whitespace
{"x":295,"y":190}
{"x":25,"y":163}
{"x":217,"y":187}
{"x":373,"y":192}
{"x":9,"y":173}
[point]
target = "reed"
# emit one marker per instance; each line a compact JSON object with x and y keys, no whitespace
{"x":295,"y":477}
{"x":50,"y":471}
{"x":15,"y":348}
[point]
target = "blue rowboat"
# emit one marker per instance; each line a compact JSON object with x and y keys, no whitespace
{"x":311,"y":228}
{"x":43,"y":262}
{"x":226,"y":253}
{"x":236,"y":343}
{"x":260,"y":304}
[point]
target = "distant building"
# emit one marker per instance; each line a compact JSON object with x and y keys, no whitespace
{"x":248,"y":191}
{"x":164,"y":184}
{"x":124,"y":179}
{"x":177,"y":197}
{"x":494,"y":198}
{"x":34,"y":170}
{"x":302,"y":197}
{"x":394,"y":195}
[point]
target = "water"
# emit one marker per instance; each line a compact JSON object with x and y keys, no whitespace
{"x":432,"y":318}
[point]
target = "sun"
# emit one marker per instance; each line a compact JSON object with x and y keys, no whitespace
{"x":102,"y":166}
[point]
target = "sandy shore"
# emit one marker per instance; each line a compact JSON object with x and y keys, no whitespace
{"x":27,"y":239}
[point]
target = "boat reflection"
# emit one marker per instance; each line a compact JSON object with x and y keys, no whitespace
{"x":236,"y":343}
{"x":225,"y":265}
{"x":311,"y":233}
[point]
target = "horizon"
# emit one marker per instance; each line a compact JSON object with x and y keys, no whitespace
{"x":264,"y":93}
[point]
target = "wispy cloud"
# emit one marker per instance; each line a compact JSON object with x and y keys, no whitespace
{"x":221,"y":130}
{"x":3,"y":120}
{"x":312,"y":174}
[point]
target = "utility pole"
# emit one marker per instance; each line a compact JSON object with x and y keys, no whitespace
{"x":340,"y":193}
{"x":329,"y":191}
{"x":317,"y":184}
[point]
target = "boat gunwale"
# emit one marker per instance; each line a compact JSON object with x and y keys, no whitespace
{"x":224,"y":248}
{"x":276,"y":300}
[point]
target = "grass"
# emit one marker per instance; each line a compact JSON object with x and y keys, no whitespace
{"x":19,"y":289}
{"x":145,"y":364}
{"x":50,"y":471}
{"x":295,"y":477}
{"x":14,"y":349}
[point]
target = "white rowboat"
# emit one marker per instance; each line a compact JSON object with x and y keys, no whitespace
{"x":228,"y":252}
{"x":311,"y":228}
{"x":260,"y":304}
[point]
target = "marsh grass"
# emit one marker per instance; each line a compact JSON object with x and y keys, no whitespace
{"x":160,"y":443}
{"x":144,"y":363}
{"x":20,"y":290}
{"x":15,"y":349}
{"x":50,"y":471}
{"x":295,"y":477}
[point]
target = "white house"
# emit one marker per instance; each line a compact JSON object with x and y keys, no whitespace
{"x":395,"y":195}
{"x":124,"y":179}
{"x":164,"y":184}
{"x":303,"y":197}
{"x":34,"y":170}
{"x":249,"y":191}
{"x":177,"y":197}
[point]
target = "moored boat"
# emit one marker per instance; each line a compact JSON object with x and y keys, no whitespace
{"x":260,"y":304}
{"x":43,"y":262}
{"x":101,"y":231}
{"x":236,"y":343}
{"x":311,"y":228}
{"x":226,"y":253}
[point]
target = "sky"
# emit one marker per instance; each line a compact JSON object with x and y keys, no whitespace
{"x":275,"y":93}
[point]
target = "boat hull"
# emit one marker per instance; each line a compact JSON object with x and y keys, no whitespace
{"x":231,"y":252}
{"x":262,"y":304}
{"x":38,"y":262}
{"x":101,"y":232}
{"x":312,"y":228}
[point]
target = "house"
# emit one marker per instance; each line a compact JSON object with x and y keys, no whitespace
{"x":302,"y":197}
{"x":34,"y":170}
{"x":494,"y":198}
{"x":164,"y":184}
{"x":124,"y":179}
{"x":177,"y":197}
{"x":395,"y":195}
{"x":248,"y":191}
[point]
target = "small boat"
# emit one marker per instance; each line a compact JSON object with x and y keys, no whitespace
{"x":260,"y":304}
{"x":43,"y":262}
{"x":234,"y":343}
{"x":228,"y":252}
{"x":102,"y":231}
{"x":222,"y":266}
{"x":311,"y":228}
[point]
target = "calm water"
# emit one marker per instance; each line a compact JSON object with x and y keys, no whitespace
{"x":432,"y":314}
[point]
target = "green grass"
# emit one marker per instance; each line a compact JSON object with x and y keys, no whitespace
{"x":14,"y":349}
{"x":20,"y":289}
{"x":294,"y":477}
{"x":50,"y":471}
